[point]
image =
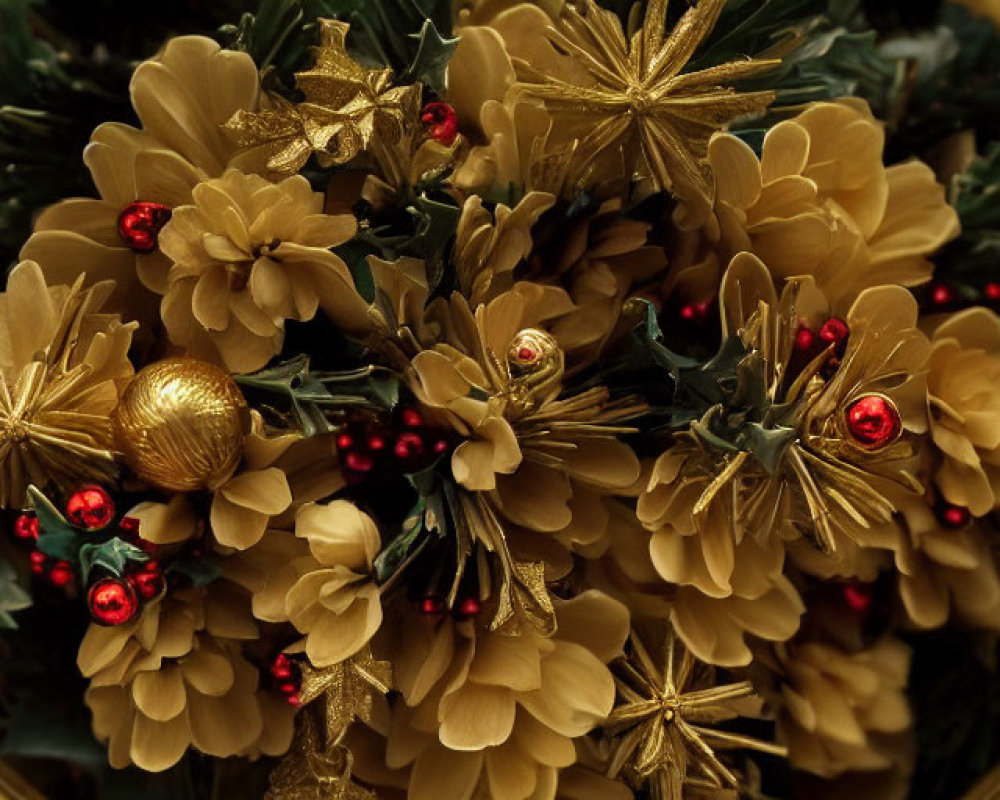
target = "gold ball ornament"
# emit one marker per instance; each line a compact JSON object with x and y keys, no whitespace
{"x":180,"y":424}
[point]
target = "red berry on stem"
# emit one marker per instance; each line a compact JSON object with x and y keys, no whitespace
{"x":282,"y":667}
{"x":411,"y":418}
{"x":408,"y":445}
{"x":432,"y":605}
{"x":37,"y":560}
{"x":470,"y":607}
{"x":805,"y":339}
{"x":952,"y":516}
{"x":344,"y":441}
{"x":139,"y":225}
{"x":440,"y":446}
{"x":359,"y":462}
{"x":441,"y":121}
{"x":90,"y":508}
{"x":26,"y":527}
{"x":149,"y":581}
{"x":942,"y":294}
{"x":857,"y":596}
{"x":992,"y":291}
{"x":873,"y":421}
{"x":113,"y":601}
{"x":61,"y":574}
{"x":376,"y":442}
{"x":834,"y":331}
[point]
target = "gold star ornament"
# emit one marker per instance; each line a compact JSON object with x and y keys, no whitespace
{"x":663,"y":729}
{"x":632,"y":102}
{"x":347,"y":110}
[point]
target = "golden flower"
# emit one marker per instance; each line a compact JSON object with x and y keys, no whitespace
{"x":181,"y":96}
{"x":819,"y":202}
{"x":326,"y":591}
{"x":628,"y":104}
{"x":942,"y":571}
{"x":276,"y":476}
{"x":841,"y":711}
{"x":497,"y":714}
{"x":63,"y":365}
{"x":537,"y":458}
{"x":247,"y":255}
{"x":174,"y":678}
{"x":963,"y":374}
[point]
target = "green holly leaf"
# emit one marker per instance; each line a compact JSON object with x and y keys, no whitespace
{"x":404,"y":548}
{"x":13,"y":597}
{"x":56,"y":537}
{"x":113,"y":556}
{"x":430,"y":63}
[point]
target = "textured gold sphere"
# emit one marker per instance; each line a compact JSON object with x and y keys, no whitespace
{"x":180,"y":424}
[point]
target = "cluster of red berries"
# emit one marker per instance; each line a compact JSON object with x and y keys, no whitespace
{"x":441,"y":122}
{"x":810,"y":343}
{"x":287,"y":677}
{"x":697,"y":313}
{"x":111,"y":600}
{"x":433,"y":605}
{"x":407,"y":445}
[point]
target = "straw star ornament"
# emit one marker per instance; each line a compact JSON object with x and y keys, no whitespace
{"x":637,"y":101}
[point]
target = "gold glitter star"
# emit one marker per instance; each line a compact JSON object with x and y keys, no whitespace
{"x":661,"y":729}
{"x":634,"y":98}
{"x":347,"y":109}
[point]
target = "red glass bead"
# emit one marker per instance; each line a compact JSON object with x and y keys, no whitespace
{"x":857,"y":596}
{"x":26,"y":527}
{"x":440,"y":446}
{"x":688,"y":312}
{"x":90,"y":508}
{"x":432,"y":605}
{"x":376,"y":442}
{"x":113,"y":601}
{"x":149,"y":581}
{"x":470,"y":607}
{"x":37,"y":560}
{"x":942,"y":294}
{"x":952,"y":516}
{"x":441,"y":121}
{"x":411,"y":418}
{"x":359,"y":462}
{"x":61,"y":574}
{"x":408,"y":445}
{"x":140,"y":223}
{"x":992,"y":291}
{"x":873,"y":421}
{"x":804,"y":339}
{"x":834,"y":331}
{"x":344,"y":441}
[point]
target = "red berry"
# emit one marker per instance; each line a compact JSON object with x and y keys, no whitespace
{"x":359,"y":462}
{"x":61,"y":574}
{"x":149,"y":581}
{"x":344,"y":441}
{"x":942,"y":294}
{"x":834,"y":331}
{"x":952,"y":516}
{"x":288,"y":688}
{"x":992,"y":291}
{"x":440,"y":446}
{"x":441,"y":121}
{"x":857,"y":596}
{"x":281,"y":669}
{"x":38,"y":559}
{"x":113,"y":601}
{"x":129,"y":525}
{"x":804,"y":339}
{"x":432,"y":605}
{"x":873,"y":421}
{"x":91,"y":508}
{"x":408,"y":445}
{"x":411,"y":418}
{"x":26,"y":527}
{"x":470,"y":607}
{"x":140,"y":223}
{"x":376,"y":442}
{"x":689,"y":312}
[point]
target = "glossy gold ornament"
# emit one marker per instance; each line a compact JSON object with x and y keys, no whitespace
{"x":180,"y":425}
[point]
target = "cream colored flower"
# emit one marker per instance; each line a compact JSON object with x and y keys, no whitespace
{"x":247,"y":255}
{"x":819,"y":202}
{"x":326,"y":592}
{"x":963,"y":375}
{"x":840,"y":711}
{"x":182,"y":97}
{"x":174,"y":678}
{"x":63,"y":365}
{"x":494,"y":714}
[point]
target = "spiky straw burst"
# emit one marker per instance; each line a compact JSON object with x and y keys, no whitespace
{"x":662,"y":728}
{"x":638,"y":101}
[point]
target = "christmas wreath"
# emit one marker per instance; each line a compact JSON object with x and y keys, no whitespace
{"x":568,"y":399}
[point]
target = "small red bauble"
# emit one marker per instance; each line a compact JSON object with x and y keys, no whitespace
{"x":470,"y":607}
{"x":140,"y":223}
{"x":805,"y":339}
{"x":411,"y":418}
{"x":344,"y":441}
{"x":441,"y":121}
{"x":942,"y":294}
{"x":834,"y":331}
{"x":408,"y":445}
{"x":952,"y":516}
{"x":149,"y":581}
{"x":873,"y":421}
{"x":91,"y":508}
{"x":37,"y":560}
{"x":281,"y":669}
{"x":376,"y":442}
{"x":26,"y":527}
{"x":288,"y":677}
{"x":992,"y":291}
{"x":61,"y":574}
{"x":432,"y":605}
{"x":113,"y":601}
{"x":440,"y":446}
{"x":359,"y":462}
{"x":857,"y":596}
